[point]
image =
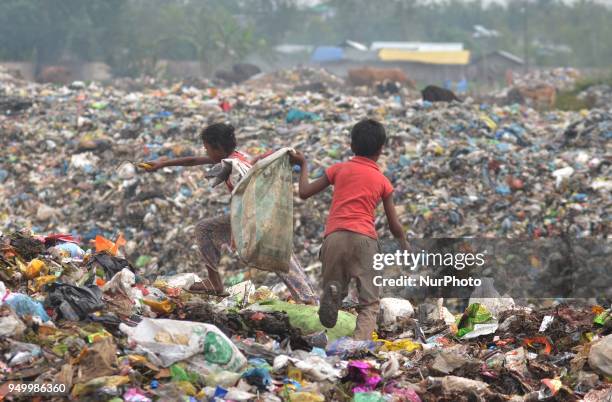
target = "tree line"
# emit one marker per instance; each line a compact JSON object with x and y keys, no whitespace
{"x":131,"y":34}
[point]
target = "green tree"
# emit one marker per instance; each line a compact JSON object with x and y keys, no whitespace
{"x":179,"y":30}
{"x":45,"y":30}
{"x":132,"y":34}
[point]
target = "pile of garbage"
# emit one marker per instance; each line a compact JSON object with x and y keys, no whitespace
{"x":69,"y":154}
{"x":87,"y":321}
{"x":299,"y":79}
{"x":599,"y":96}
{"x":562,"y":78}
{"x":97,"y":295}
{"x":597,"y":122}
{"x":5,"y":75}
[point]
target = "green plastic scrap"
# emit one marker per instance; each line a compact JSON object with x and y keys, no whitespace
{"x":99,"y":105}
{"x":60,"y":349}
{"x":236,"y":279}
{"x":143,"y":260}
{"x":178,"y":373}
{"x":306,"y":318}
{"x":476,"y":313}
{"x":368,"y":397}
{"x":602,"y":317}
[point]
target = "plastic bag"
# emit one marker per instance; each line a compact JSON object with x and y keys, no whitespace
{"x":73,"y":302}
{"x":296,"y":115}
{"x":393,"y":309}
{"x":135,"y":395}
{"x":73,"y":249}
{"x":364,"y":375}
{"x":259,"y":377}
{"x":262,"y":214}
{"x":158,"y":301}
{"x":222,"y":378}
{"x":312,"y":367}
{"x":480,"y":330}
{"x":346,"y":345}
{"x":474,"y":314}
{"x":35,"y":268}
{"x":122,"y":283}
{"x":182,"y":281}
{"x":487,"y":296}
{"x":600,"y":356}
{"x":38,"y":283}
{"x":398,"y":344}
{"x":11,"y":325}
{"x":453,"y":384}
{"x":170,"y":341}
{"x":306,"y":318}
{"x":103,"y":244}
{"x":24,"y":305}
{"x":401,"y":392}
{"x":368,"y":397}
{"x":21,"y":352}
{"x":305,"y":397}
{"x":101,"y":386}
{"x":106,"y":266}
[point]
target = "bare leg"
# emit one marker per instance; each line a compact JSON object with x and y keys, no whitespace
{"x":298,"y":283}
{"x":216,"y":283}
{"x":211,"y":235}
{"x":366,"y":321}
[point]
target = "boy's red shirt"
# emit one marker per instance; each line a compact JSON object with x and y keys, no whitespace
{"x":359,"y":186}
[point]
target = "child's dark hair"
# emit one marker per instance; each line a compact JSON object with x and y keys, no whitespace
{"x":367,"y":137}
{"x":220,"y":135}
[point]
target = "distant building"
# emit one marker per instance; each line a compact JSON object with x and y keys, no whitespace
{"x":493,"y":67}
{"x":327,"y":54}
{"x":431,"y":64}
{"x":292,"y":49}
{"x":419,"y":46}
{"x":424,"y":62}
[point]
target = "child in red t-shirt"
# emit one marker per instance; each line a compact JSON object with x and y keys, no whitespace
{"x":350,"y":239}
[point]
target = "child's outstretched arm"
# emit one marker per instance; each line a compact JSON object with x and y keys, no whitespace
{"x":306,"y":188}
{"x":394,"y":224}
{"x":152,"y":166}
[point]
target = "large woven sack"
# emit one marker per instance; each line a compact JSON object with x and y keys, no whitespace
{"x":262,"y":214}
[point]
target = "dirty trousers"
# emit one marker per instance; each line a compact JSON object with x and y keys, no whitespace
{"x":348,"y":255}
{"x":214,"y":234}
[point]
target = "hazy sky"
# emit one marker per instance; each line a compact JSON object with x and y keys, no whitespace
{"x":609,"y":2}
{"x":314,"y":2}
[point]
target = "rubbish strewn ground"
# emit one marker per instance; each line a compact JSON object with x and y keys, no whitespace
{"x":118,"y":321}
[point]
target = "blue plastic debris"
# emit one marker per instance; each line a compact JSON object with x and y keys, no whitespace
{"x":502,"y":189}
{"x":297,"y":115}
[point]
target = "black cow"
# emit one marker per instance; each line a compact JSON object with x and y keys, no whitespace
{"x":239,"y":73}
{"x":432,"y":93}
